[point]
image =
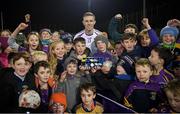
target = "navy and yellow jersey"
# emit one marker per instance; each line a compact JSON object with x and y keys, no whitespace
{"x":141,"y":97}
{"x":97,"y":109}
{"x":163,"y":78}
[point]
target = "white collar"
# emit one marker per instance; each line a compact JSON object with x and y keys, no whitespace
{"x":20,"y":77}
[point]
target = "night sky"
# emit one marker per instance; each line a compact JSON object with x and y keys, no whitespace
{"x":67,"y":14}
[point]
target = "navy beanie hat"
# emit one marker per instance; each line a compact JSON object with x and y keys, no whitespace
{"x":169,"y":30}
{"x":128,"y":64}
{"x":66,"y":35}
{"x":67,"y":38}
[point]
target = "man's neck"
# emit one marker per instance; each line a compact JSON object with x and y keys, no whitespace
{"x":89,"y":32}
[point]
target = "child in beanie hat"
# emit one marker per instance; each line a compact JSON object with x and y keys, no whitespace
{"x":169,"y":35}
{"x":169,"y":30}
{"x":126,"y":66}
{"x":58,"y":103}
{"x":45,"y":39}
{"x":123,"y":76}
{"x":101,"y":43}
{"x":68,"y":41}
{"x":101,"y":38}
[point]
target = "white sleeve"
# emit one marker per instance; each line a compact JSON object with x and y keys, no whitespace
{"x":12,"y":43}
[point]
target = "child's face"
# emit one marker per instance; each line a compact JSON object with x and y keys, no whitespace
{"x":105,"y":69}
{"x":101,"y":46}
{"x":21,"y":67}
{"x":59,"y":50}
{"x":130,"y":30}
{"x":33,"y":41}
{"x":80,"y":48}
{"x":5,"y":34}
{"x":87,"y":97}
{"x":174,"y":101}
{"x":143,"y":73}
{"x":68,"y":46}
{"x":119,"y":48}
{"x":45,"y":35}
{"x":177,"y":71}
{"x":145,"y":41}
{"x":129,"y":44}
{"x":57,"y":108}
{"x":154,"y":58}
{"x":168,"y":39}
{"x":43,"y":74}
{"x":120,"y":70}
{"x":71,"y":69}
{"x":55,"y":36}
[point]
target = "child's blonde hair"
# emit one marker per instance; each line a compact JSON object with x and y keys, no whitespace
{"x":143,"y":62}
{"x":37,"y":54}
{"x":143,"y":33}
{"x":52,"y":56}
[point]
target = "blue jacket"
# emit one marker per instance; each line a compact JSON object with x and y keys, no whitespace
{"x":141,"y":97}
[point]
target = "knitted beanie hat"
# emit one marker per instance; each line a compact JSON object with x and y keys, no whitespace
{"x":127,"y":63}
{"x":169,"y":30}
{"x":29,"y":99}
{"x":59,"y":98}
{"x":101,"y":38}
{"x":66,"y":35}
{"x":67,"y":38}
{"x":45,"y":29}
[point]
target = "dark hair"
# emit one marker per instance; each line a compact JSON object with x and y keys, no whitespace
{"x":39,"y":64}
{"x":79,"y":39}
{"x":25,"y":55}
{"x":10,"y":56}
{"x":164,"y":54}
{"x":71,"y":61}
{"x":132,"y":26}
{"x":127,"y":36}
{"x":173,"y":86}
{"x":88,"y":86}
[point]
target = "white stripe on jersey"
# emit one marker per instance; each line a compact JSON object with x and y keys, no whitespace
{"x":88,"y":38}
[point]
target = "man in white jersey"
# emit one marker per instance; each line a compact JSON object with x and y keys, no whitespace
{"x":89,"y":33}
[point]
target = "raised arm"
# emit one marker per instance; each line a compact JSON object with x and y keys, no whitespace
{"x":113,"y":31}
{"x":152,"y":34}
{"x":28,"y":22}
{"x":11,"y":40}
{"x":173,"y":23}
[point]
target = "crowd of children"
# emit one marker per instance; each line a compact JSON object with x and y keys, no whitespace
{"x":58,"y":73}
